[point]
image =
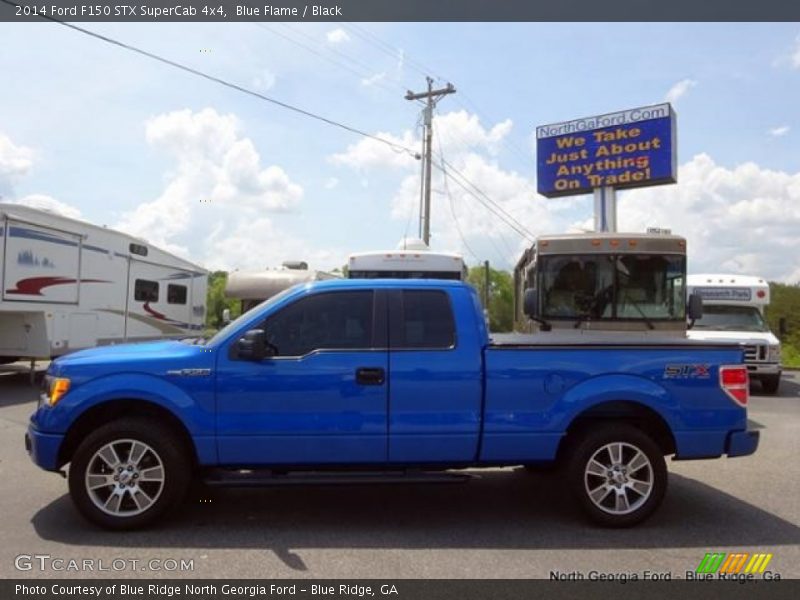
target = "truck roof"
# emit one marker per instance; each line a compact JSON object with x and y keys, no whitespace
{"x":337,"y":284}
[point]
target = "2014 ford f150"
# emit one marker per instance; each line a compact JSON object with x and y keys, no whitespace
{"x":382,"y":380}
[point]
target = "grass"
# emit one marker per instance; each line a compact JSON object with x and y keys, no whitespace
{"x":790,"y":355}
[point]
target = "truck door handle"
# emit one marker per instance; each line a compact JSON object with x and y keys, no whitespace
{"x":370,"y":376}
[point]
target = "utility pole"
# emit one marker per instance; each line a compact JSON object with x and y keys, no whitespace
{"x":432,"y":97}
{"x":486,"y":285}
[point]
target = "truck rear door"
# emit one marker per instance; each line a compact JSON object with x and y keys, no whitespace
{"x":435,"y":364}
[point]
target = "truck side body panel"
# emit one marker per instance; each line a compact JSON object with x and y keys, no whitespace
{"x":533,"y":394}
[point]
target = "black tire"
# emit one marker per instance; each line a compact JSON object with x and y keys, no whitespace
{"x":165,"y":450}
{"x":594,"y":443}
{"x":771,"y":384}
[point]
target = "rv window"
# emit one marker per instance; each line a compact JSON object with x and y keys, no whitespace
{"x":145,"y":291}
{"x":176,"y":294}
{"x":138,"y":249}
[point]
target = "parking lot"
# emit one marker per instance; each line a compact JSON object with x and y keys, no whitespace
{"x":508,"y":523}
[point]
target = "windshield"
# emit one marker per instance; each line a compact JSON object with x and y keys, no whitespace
{"x":223,"y":333}
{"x":602,"y":286}
{"x":731,"y":318}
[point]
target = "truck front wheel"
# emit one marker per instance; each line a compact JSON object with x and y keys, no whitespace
{"x":128,"y":473}
{"x":617,"y":473}
{"x":771,"y":383}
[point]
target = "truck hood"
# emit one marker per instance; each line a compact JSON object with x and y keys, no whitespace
{"x":135,"y":355}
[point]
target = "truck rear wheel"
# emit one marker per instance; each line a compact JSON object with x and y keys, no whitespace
{"x":128,"y":473}
{"x":617,"y":473}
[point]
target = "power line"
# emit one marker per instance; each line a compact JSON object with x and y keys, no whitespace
{"x":465,"y":184}
{"x":452,"y":206}
{"x":396,"y":147}
{"x":365,"y":72}
{"x":487,"y":201}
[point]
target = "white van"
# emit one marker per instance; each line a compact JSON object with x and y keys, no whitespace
{"x":733,"y":310}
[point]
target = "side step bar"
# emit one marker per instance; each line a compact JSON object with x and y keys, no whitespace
{"x":266,"y":477}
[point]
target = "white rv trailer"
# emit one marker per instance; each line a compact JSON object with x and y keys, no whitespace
{"x":253,"y":287}
{"x":67,"y":284}
{"x":411,"y":260}
{"x":733,"y":310}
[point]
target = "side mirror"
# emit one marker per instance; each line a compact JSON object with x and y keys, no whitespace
{"x":226,"y":315}
{"x":253,"y":346}
{"x":783,"y":328}
{"x":694,"y":310}
{"x":530,"y":303}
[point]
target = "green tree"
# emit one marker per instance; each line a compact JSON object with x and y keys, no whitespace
{"x":217,"y":302}
{"x":501,"y":296}
{"x":784,"y":303}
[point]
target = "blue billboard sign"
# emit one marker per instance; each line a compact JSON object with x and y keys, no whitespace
{"x":631,"y":148}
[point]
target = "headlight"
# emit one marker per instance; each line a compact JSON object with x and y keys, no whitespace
{"x":774,"y":353}
{"x":56,"y":390}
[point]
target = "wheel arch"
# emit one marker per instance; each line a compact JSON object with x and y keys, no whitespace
{"x":631,"y":412}
{"x":110,"y":410}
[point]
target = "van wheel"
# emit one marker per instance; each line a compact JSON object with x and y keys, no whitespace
{"x":129,"y":473}
{"x":617,"y":473}
{"x":771,"y":384}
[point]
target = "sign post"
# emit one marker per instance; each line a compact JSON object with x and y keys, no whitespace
{"x":601,"y":154}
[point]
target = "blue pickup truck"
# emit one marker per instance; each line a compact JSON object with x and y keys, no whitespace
{"x":382,"y":380}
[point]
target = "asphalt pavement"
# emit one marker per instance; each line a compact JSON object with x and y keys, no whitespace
{"x":506,"y":523}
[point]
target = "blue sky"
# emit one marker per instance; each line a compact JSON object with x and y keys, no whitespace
{"x":95,"y":130}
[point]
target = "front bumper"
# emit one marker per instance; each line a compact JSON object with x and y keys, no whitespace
{"x":742,"y":443}
{"x":43,"y":448}
{"x":757,"y":370}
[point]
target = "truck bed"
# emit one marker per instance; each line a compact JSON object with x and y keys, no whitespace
{"x":565,"y":337}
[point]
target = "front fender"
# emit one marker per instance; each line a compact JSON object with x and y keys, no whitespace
{"x":196,"y":414}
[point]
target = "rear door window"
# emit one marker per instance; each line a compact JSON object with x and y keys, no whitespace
{"x":426,"y":321}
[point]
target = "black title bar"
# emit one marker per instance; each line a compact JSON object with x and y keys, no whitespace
{"x":399,"y":10}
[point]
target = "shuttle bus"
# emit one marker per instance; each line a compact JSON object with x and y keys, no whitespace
{"x":411,"y":260}
{"x":733,"y":310}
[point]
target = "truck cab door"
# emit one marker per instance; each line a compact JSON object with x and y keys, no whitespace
{"x":322,"y":398}
{"x":435,"y":362}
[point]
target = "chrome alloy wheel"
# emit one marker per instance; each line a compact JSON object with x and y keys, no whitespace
{"x":618,"y":478}
{"x":124,"y":478}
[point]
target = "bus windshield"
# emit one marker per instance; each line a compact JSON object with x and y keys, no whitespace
{"x":731,"y":318}
{"x":603,"y":286}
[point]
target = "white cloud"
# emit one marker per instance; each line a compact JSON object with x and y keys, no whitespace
{"x":679,"y":90}
{"x":218,"y":183}
{"x":743,"y":219}
{"x":337,"y":36}
{"x":779,"y":131}
{"x":795,"y":56}
{"x":331,"y":183}
{"x":373,"y":79}
{"x":369,"y":153}
{"x":264,"y":81}
{"x":257,"y":244}
{"x":48,"y":203}
{"x":15,"y":162}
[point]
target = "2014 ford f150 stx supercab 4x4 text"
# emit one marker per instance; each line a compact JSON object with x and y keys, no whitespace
{"x":382,"y":380}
